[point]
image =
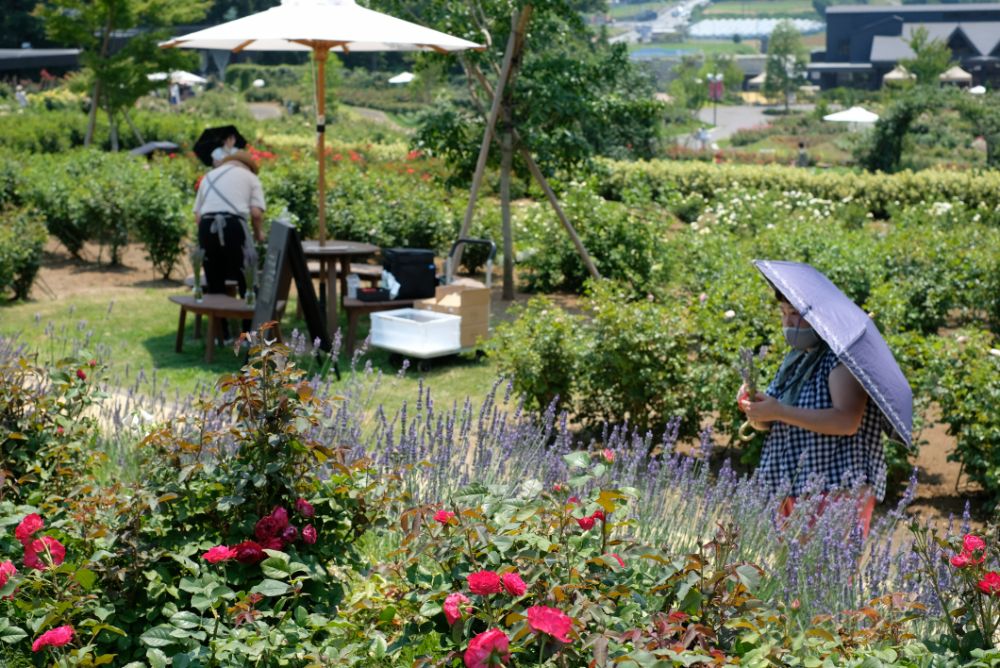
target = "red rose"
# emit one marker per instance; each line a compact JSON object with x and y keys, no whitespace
{"x":484,"y":583}
{"x":573,"y":499}
{"x":598,"y":515}
{"x":513,"y":584}
{"x":57,"y":637}
{"x":280,"y":516}
{"x":272,"y":543}
{"x":219,"y":553}
{"x":7,"y":569}
{"x":961,"y":560}
{"x":550,"y":621}
{"x":453,"y":607}
{"x":304,"y":508}
{"x":248,"y":552}
{"x":489,"y":648}
{"x":557,"y":487}
{"x":354,"y":156}
{"x":586,"y":523}
{"x":44,"y":552}
{"x":290,"y":534}
{"x":309,"y":534}
{"x":29,"y":526}
{"x":266,"y":527}
{"x":443,"y":516}
{"x":973,"y":544}
{"x":80,"y":374}
{"x":990,"y":584}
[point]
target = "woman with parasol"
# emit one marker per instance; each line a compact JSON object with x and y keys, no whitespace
{"x":836,"y":392}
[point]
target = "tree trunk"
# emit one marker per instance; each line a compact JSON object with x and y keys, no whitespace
{"x":506,"y":162}
{"x":92,"y":114}
{"x":135,"y":130}
{"x":113,"y":128}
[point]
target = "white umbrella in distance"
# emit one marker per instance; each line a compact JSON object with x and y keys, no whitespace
{"x":978,"y":90}
{"x":852,"y":115}
{"x":404,"y":78}
{"x":320,"y":26}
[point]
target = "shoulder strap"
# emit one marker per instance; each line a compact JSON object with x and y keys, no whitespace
{"x":211,"y":186}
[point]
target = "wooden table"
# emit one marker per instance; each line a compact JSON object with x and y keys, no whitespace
{"x":328,"y":256}
{"x":216,"y":307}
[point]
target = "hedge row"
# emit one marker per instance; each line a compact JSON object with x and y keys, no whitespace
{"x":878,"y":193}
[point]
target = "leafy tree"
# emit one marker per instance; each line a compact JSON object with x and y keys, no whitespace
{"x":573,"y":96}
{"x":786,"y":62}
{"x":17,"y":25}
{"x":119,"y":77}
{"x":931,"y":58}
{"x":689,"y":87}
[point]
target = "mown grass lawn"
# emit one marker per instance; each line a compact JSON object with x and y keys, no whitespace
{"x":706,"y":47}
{"x":752,"y":8}
{"x":135,"y":329}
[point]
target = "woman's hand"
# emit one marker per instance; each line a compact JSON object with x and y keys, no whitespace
{"x":764,"y":409}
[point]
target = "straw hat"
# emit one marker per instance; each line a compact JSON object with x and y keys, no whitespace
{"x":245,"y":158}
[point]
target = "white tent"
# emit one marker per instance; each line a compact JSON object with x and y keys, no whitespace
{"x":856,"y":115}
{"x":404,"y":78}
{"x":898,"y":74}
{"x":978,"y":90}
{"x":955,"y":74}
{"x":320,"y":26}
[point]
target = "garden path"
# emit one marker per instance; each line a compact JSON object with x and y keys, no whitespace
{"x":942,"y":491}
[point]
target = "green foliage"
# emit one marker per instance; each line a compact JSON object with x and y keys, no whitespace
{"x":22,"y":236}
{"x":931,"y":57}
{"x":786,"y":62}
{"x":624,"y":246}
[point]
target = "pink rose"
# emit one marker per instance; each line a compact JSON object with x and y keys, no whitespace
{"x":513,"y":584}
{"x":219,"y":553}
{"x":573,"y":499}
{"x":443,"y":516}
{"x":44,"y":552}
{"x":248,"y":552}
{"x":990,"y":584}
{"x":586,"y":523}
{"x":7,"y":569}
{"x":550,"y":621}
{"x":608,"y":455}
{"x":961,"y":560}
{"x":309,"y":534}
{"x":29,"y":526}
{"x":484,"y":583}
{"x":57,"y":637}
{"x":453,"y":607}
{"x":973,"y":543}
{"x":304,"y":508}
{"x":489,"y":648}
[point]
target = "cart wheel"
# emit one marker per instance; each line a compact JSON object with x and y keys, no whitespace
{"x":423,"y":366}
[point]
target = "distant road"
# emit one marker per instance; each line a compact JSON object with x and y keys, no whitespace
{"x":731,"y":119}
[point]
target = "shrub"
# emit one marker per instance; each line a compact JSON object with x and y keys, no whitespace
{"x":22,"y":236}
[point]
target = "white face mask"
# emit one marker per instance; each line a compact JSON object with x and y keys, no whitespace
{"x":801,"y":338}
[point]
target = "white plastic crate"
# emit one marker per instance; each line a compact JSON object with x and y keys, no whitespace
{"x":416,"y":333}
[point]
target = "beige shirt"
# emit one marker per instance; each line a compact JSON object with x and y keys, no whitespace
{"x":233,"y":182}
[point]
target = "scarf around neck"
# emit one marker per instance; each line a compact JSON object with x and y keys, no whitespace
{"x":795,"y":371}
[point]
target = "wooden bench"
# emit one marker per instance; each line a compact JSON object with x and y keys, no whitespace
{"x":369,"y":273}
{"x":216,"y":307}
{"x":356,"y":308}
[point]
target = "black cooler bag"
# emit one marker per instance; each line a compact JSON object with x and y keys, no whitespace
{"x":414,"y":269}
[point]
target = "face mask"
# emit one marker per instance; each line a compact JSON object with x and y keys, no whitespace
{"x":801,"y":338}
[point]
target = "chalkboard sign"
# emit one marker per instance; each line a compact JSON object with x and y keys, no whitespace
{"x":284,"y":260}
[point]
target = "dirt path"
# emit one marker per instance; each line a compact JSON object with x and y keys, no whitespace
{"x":941,"y":493}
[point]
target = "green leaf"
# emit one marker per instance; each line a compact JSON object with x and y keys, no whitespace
{"x":577,"y":460}
{"x":158,"y":636}
{"x":157,"y":659}
{"x":271,"y":587}
{"x":228,"y":502}
{"x":275,"y":567}
{"x":503,"y":543}
{"x":749,"y":576}
{"x":430,"y":608}
{"x":185,"y":620}
{"x":12,"y":634}
{"x":86,"y":578}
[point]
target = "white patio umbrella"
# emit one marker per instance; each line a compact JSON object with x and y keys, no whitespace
{"x":858,"y":115}
{"x":978,"y":90}
{"x":404,"y":78}
{"x":955,"y":74}
{"x":178,"y":77}
{"x":320,"y":26}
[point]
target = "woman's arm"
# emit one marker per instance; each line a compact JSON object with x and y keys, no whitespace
{"x":843,"y":419}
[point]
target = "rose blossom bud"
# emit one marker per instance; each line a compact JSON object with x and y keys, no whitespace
{"x":304,"y":508}
{"x":586,"y":523}
{"x":290,"y":534}
{"x":309,"y":534}
{"x":80,"y":374}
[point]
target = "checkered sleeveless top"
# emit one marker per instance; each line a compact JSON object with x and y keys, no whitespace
{"x":795,"y":460}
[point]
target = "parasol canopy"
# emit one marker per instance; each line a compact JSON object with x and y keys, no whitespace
{"x":851,"y":335}
{"x":403,"y":78}
{"x":320,"y":26}
{"x":213,"y":138}
{"x":178,"y":77}
{"x":955,"y":74}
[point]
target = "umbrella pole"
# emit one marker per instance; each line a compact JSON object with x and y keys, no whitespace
{"x":320,"y":53}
